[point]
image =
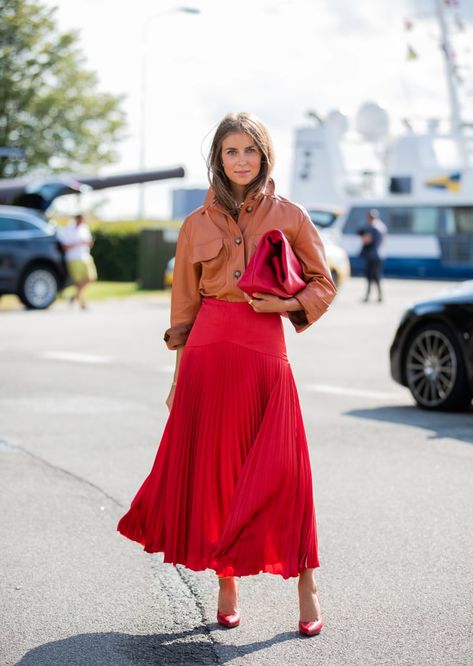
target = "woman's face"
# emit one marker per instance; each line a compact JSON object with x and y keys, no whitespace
{"x":241,"y":159}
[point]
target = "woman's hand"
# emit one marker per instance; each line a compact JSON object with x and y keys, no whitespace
{"x":269,"y":303}
{"x":170,"y":398}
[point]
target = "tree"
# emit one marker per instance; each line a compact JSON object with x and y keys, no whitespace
{"x":49,"y":102}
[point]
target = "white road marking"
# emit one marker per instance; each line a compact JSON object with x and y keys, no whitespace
{"x":74,"y":357}
{"x":358,"y":393}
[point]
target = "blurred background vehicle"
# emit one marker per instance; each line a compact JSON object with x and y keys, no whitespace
{"x":338,"y":261}
{"x":32,"y":262}
{"x":168,"y":273}
{"x":324,"y":217}
{"x":432,"y":350}
{"x":426,"y":239}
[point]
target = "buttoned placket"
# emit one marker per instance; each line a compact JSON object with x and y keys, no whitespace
{"x":237,"y":238}
{"x":236,"y":233}
{"x":247,"y":207}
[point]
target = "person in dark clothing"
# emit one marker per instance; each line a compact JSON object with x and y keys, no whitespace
{"x":373,"y":237}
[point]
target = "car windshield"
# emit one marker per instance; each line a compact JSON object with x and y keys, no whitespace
{"x":322,"y":218}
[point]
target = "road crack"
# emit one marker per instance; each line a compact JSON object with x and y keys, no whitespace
{"x":183,"y":575}
{"x":16,"y":447}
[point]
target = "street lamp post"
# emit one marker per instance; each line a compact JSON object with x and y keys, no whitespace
{"x":143,"y":92}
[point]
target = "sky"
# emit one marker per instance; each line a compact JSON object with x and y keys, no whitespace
{"x":277,"y":59}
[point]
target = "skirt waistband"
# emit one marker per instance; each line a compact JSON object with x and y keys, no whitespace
{"x":237,"y":322}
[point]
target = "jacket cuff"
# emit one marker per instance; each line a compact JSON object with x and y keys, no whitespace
{"x":311,"y":309}
{"x":298,"y":319}
{"x":177,"y":335}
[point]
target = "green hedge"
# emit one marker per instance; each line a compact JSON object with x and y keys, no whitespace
{"x":115,"y":249}
{"x":115,"y":254}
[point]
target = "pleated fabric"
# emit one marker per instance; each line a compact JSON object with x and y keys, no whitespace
{"x":231,"y":485}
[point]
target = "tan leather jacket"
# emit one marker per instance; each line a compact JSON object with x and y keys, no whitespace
{"x":213,"y":250}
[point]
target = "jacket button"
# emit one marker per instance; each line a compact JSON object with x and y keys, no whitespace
{"x":238,"y":240}
{"x":237,"y":274}
{"x":249,"y":209}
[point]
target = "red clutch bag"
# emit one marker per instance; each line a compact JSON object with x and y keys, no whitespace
{"x":273,"y":268}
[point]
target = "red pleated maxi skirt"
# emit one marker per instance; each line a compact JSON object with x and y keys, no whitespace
{"x":231,"y":485}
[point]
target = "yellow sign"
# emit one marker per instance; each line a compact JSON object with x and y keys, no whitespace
{"x":451,"y":183}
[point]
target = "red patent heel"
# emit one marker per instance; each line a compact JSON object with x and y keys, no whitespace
{"x":310,"y":628}
{"x":232,"y":619}
{"x":228,"y":621}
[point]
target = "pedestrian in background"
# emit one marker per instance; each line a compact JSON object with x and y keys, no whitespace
{"x":231,"y":486}
{"x":76,"y":240}
{"x":373,"y":238}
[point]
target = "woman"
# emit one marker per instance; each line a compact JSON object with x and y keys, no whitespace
{"x":231,"y":485}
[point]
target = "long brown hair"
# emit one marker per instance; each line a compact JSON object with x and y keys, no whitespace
{"x":244,"y":123}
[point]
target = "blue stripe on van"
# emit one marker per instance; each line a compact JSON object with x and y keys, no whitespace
{"x":416,"y":267}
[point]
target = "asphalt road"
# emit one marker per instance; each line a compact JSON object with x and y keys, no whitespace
{"x":81,"y":413}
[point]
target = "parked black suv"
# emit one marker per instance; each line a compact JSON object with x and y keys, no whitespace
{"x":32,"y":262}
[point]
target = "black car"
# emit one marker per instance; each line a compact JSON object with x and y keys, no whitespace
{"x":432,"y":351}
{"x":32,"y":262}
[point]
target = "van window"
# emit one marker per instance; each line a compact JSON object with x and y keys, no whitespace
{"x":400,"y":220}
{"x":425,"y":220}
{"x":356,"y":220}
{"x":418,"y":220}
{"x":459,"y":220}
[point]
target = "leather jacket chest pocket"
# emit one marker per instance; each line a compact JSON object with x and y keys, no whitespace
{"x":212,"y":258}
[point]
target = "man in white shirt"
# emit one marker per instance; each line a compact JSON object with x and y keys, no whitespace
{"x":76,"y":241}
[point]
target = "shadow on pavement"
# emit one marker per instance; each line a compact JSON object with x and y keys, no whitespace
{"x":116,"y":649}
{"x":455,"y":425}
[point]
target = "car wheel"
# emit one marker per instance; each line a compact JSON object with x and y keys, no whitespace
{"x":435,"y":370}
{"x":39,"y":288}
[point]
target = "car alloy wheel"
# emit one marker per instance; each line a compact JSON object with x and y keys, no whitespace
{"x":39,"y":288}
{"x":434,"y":369}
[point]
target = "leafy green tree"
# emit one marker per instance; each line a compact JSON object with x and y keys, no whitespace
{"x":49,"y":102}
